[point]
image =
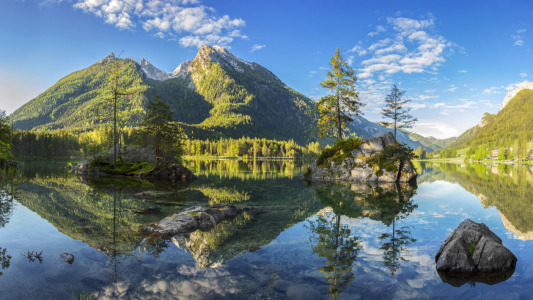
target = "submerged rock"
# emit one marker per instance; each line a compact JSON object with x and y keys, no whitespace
{"x":67,"y":257}
{"x":362,"y":163}
{"x":473,"y":253}
{"x":193,"y":218}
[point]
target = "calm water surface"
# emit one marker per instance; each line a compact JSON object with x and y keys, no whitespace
{"x":301,"y":240}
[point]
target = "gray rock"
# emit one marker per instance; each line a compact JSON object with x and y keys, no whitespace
{"x":205,"y":221}
{"x":358,"y":167}
{"x":472,"y":252}
{"x":67,"y":257}
{"x":177,"y":223}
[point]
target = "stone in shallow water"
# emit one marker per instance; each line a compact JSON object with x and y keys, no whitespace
{"x":473,"y":253}
{"x":67,"y":257}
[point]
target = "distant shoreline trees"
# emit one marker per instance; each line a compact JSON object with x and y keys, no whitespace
{"x":336,"y":110}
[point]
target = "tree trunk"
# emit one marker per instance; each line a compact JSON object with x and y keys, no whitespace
{"x":339,"y":124}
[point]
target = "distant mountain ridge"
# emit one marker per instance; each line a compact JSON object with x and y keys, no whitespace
{"x":214,"y":95}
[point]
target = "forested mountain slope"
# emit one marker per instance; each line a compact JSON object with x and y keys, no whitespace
{"x":217,"y":94}
{"x":512,"y":123}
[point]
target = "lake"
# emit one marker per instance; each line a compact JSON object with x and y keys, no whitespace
{"x":300,"y":241}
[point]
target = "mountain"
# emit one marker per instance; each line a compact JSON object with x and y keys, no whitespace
{"x":514,"y":121}
{"x":367,"y":130}
{"x":216,"y":94}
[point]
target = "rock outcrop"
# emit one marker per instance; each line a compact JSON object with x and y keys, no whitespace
{"x":167,"y":166}
{"x":473,"y":253}
{"x":361,"y":165}
{"x":193,"y":218}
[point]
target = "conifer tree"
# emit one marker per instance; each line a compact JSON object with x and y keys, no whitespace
{"x":396,"y":110}
{"x":163,"y":133}
{"x":338,"y":108}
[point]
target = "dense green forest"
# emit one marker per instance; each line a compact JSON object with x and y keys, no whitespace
{"x":62,"y":143}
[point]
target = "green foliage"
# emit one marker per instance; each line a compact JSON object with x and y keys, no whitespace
{"x":391,"y":156}
{"x":396,"y":110}
{"x":160,"y":132}
{"x":338,"y":152}
{"x":336,"y":110}
{"x":6,"y":142}
{"x":448,"y":153}
{"x":472,"y":248}
{"x":120,"y":168}
{"x":250,"y":148}
{"x":421,"y":153}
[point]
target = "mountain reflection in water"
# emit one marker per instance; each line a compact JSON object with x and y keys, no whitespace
{"x":328,"y":240}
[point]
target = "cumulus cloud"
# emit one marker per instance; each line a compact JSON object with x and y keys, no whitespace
{"x":358,"y":50}
{"x":193,"y":24}
{"x":523,"y":75}
{"x":257,"y":47}
{"x":409,"y":48}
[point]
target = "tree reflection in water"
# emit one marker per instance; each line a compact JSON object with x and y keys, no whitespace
{"x":395,"y":243}
{"x":388,"y":203}
{"x":332,"y":241}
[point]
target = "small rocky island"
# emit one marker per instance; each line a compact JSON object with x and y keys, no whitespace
{"x":473,"y":253}
{"x":135,"y":162}
{"x":377,"y":160}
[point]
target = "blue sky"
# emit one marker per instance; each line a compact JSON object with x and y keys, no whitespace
{"x":455,"y":59}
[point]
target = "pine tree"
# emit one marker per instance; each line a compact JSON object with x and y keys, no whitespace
{"x":396,"y":110}
{"x":164,"y":134}
{"x":338,"y":108}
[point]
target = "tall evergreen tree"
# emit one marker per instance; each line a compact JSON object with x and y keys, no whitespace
{"x":338,"y":108}
{"x":396,"y":110}
{"x":163,"y":133}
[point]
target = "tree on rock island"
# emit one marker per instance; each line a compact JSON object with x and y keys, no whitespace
{"x":163,"y":134}
{"x":396,"y":110}
{"x":338,"y":108}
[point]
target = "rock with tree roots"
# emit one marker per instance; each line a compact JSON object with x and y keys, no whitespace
{"x":473,"y":253}
{"x":143,"y":158}
{"x":376,"y":160}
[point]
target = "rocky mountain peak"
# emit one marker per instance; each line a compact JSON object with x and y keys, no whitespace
{"x":510,"y":95}
{"x":218,"y":54}
{"x":152,"y":72}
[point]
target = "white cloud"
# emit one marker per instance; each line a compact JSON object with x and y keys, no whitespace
{"x":436,"y":129}
{"x":379,"y":29}
{"x":409,"y":48}
{"x":257,"y":47}
{"x":452,"y":88}
{"x":440,"y":104}
{"x":186,"y":20}
{"x":523,"y":75}
{"x":462,"y":71}
{"x":518,"y":43}
{"x":358,"y":50}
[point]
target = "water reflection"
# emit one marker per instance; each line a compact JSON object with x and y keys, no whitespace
{"x":386,"y":202}
{"x":333,"y":241}
{"x":507,"y":187}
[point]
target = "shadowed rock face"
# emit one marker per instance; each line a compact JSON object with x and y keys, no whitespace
{"x":473,"y":253}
